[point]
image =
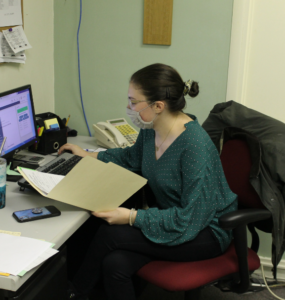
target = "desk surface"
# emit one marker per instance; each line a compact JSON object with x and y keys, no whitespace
{"x":55,"y":230}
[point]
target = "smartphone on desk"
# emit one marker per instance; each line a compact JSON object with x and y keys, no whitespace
{"x":36,"y":213}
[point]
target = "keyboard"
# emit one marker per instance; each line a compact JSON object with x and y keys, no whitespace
{"x":61,"y":165}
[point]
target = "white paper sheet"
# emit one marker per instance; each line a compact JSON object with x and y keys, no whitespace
{"x":18,"y":252}
{"x":10,"y":13}
{"x":44,"y":181}
{"x":6,"y":53}
{"x":17,"y":39}
{"x":43,"y":257}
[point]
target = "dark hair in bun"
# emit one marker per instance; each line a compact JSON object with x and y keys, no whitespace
{"x":194,"y":90}
{"x":162,"y":82}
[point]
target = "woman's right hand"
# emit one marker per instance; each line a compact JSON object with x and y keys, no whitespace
{"x":74,"y":149}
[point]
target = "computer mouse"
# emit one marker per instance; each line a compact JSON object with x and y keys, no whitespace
{"x":65,"y":151}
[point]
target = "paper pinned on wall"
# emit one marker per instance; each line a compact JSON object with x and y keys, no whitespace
{"x":17,"y":39}
{"x":6,"y":53}
{"x":10,"y":13}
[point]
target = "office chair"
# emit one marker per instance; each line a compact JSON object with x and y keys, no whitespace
{"x":231,"y":270}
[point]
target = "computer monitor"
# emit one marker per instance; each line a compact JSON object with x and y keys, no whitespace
{"x":17,"y":120}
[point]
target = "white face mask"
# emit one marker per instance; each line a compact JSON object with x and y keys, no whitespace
{"x":137,"y":120}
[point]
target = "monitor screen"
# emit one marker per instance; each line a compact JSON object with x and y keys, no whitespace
{"x":17,"y":120}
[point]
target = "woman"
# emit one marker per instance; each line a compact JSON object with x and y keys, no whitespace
{"x":184,"y":172}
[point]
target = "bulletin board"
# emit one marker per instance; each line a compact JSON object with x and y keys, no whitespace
{"x":7,"y":27}
{"x":157,"y":27}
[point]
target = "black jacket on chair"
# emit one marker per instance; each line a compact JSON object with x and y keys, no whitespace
{"x":266,"y":139}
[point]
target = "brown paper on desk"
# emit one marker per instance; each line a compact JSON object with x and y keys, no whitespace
{"x":95,"y":185}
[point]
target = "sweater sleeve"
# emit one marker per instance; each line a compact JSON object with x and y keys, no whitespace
{"x":129,"y":158}
{"x":197,"y":207}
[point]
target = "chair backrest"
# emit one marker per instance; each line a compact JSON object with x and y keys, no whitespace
{"x":237,"y":163}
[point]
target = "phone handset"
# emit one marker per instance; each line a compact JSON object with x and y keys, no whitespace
{"x":109,"y":136}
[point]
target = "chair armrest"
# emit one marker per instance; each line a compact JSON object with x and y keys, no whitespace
{"x":237,"y":220}
{"x":243,"y":217}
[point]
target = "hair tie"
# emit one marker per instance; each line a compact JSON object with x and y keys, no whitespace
{"x":167,"y":93}
{"x":187,"y":87}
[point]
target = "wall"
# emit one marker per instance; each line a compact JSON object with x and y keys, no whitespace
{"x":38,"y":70}
{"x":266,"y":69}
{"x":111,"y":48}
{"x":257,"y":65}
{"x":257,"y":68}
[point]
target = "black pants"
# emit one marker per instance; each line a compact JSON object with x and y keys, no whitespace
{"x":117,"y":252}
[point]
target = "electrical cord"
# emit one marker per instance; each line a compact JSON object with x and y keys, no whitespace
{"x":79,"y":75}
{"x":263,"y":276}
{"x":271,"y":285}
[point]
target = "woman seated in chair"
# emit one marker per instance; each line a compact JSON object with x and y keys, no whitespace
{"x":184,"y":171}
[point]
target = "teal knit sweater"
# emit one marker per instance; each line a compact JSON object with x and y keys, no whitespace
{"x":188,"y":182}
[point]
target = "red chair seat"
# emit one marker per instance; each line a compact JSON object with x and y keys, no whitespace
{"x":184,"y":276}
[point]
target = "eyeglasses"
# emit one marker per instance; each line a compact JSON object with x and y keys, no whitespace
{"x":133,"y":101}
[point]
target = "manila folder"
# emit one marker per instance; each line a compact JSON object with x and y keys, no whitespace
{"x":97,"y":186}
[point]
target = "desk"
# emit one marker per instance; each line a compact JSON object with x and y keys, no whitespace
{"x":55,"y":230}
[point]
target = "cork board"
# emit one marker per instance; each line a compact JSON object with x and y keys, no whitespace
{"x":7,"y":27}
{"x":157,"y":27}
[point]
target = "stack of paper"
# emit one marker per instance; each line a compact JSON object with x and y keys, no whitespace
{"x":11,"y":232}
{"x":19,"y":255}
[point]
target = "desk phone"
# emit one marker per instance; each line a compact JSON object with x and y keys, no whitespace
{"x":126,"y":129}
{"x":116,"y":133}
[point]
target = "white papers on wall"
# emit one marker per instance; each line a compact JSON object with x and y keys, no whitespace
{"x":6,"y":53}
{"x":17,"y":39}
{"x":13,"y":42}
{"x":10,"y":13}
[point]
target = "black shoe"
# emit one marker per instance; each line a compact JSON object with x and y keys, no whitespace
{"x":72,"y":294}
{"x":74,"y":297}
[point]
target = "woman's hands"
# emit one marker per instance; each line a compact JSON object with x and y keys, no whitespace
{"x":76,"y":150}
{"x":118,"y":216}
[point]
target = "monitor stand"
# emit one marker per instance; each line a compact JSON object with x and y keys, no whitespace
{"x":14,"y":165}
